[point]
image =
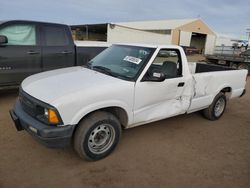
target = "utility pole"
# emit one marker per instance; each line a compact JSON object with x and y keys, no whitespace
{"x":248,"y":32}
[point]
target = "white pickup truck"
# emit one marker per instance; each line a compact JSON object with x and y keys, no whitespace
{"x":123,"y":87}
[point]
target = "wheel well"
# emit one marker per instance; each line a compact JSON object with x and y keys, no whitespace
{"x":119,"y":112}
{"x":227,"y":91}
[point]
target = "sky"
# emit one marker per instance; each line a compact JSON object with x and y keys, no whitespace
{"x":225,"y":17}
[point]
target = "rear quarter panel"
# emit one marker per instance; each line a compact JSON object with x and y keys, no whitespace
{"x":208,"y":85}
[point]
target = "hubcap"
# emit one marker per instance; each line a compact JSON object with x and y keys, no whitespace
{"x":219,"y":107}
{"x":101,"y":138}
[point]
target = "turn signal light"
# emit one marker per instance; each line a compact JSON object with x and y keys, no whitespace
{"x":52,"y":117}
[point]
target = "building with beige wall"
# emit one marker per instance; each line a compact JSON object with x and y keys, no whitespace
{"x":184,"y":32}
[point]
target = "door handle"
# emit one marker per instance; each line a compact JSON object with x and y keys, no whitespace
{"x":181,"y":84}
{"x":31,"y":52}
{"x":66,"y":52}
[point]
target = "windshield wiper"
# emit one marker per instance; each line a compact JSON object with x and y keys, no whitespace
{"x":88,"y":65}
{"x":105,"y":70}
{"x":102,"y":69}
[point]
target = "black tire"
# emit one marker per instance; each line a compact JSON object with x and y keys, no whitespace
{"x":211,"y":112}
{"x":97,"y":125}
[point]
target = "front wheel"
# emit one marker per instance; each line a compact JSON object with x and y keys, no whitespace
{"x":217,"y":108}
{"x":97,"y":135}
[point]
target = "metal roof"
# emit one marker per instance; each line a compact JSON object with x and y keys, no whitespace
{"x":158,"y":24}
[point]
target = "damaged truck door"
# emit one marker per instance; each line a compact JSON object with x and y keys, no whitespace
{"x":157,"y":99}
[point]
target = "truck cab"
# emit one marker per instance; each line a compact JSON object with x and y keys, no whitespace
{"x":29,"y":47}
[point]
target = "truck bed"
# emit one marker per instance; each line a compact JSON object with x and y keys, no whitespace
{"x":211,"y":79}
{"x":203,"y":67}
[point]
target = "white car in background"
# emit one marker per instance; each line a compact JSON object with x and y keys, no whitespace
{"x":241,"y":44}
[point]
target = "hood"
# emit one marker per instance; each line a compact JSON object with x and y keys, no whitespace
{"x":52,"y":85}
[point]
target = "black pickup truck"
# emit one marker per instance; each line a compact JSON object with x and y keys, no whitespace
{"x":28,"y":47}
{"x":241,"y":61}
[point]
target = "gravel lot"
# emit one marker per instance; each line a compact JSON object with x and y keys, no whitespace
{"x":184,"y":151}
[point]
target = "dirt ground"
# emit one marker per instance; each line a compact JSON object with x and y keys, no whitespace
{"x":184,"y":151}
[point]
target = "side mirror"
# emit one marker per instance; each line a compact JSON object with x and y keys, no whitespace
{"x":3,"y":39}
{"x":154,"y":77}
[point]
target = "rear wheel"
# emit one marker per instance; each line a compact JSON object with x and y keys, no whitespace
{"x":97,"y":135}
{"x":217,"y":108}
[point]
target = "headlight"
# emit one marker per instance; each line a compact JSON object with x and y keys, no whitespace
{"x":39,"y":110}
{"x":51,"y":116}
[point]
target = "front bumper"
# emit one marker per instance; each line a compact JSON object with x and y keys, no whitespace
{"x":48,"y":135}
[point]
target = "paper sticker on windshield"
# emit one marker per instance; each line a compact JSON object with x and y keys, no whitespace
{"x":132,"y":59}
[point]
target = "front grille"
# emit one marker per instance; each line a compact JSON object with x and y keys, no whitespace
{"x":29,"y":105}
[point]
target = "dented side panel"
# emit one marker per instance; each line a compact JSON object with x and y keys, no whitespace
{"x":208,"y":85}
{"x":155,"y":101}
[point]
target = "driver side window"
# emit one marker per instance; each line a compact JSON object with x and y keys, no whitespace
{"x":168,"y":62}
{"x":20,"y":34}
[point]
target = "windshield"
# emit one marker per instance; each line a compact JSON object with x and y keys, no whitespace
{"x":122,"y":61}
